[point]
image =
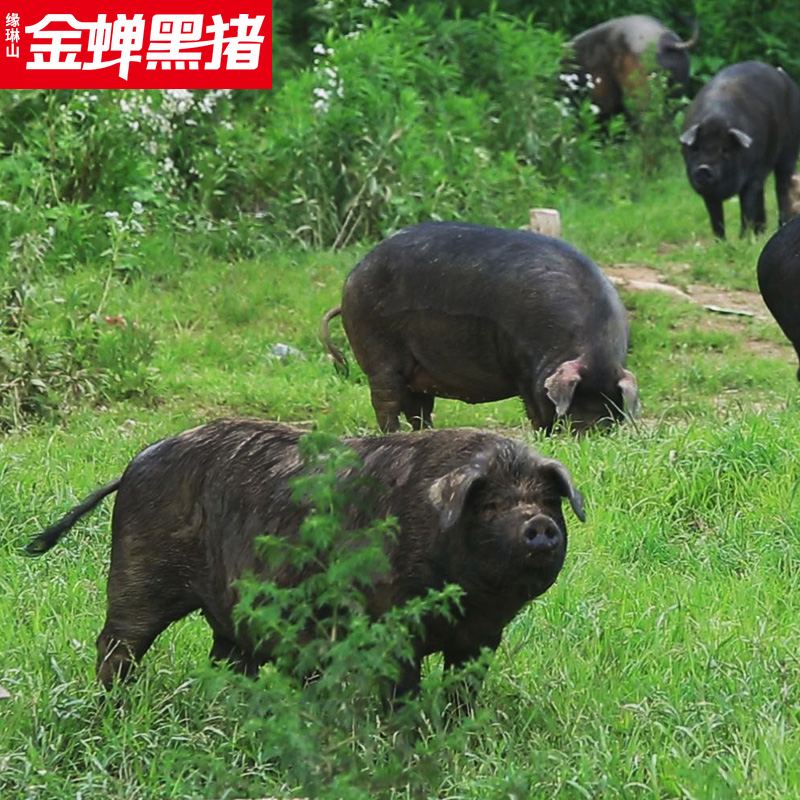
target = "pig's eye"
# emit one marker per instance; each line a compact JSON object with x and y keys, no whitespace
{"x":491,"y":506}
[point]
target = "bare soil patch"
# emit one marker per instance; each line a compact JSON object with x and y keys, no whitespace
{"x":638,"y":278}
{"x":729,"y":309}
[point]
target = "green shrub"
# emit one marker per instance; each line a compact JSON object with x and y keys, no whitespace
{"x":54,"y":353}
{"x":317,"y":712}
{"x":417,"y":117}
{"x":398,"y":119}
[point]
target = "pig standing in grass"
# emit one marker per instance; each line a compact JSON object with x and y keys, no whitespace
{"x":473,"y":508}
{"x":779,"y":280}
{"x":743,"y":124}
{"x":477,"y":314}
{"x":610,"y":58}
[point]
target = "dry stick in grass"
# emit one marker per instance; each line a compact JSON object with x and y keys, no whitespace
{"x":738,"y":312}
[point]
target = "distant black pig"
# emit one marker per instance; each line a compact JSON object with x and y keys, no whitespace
{"x":478,"y":314}
{"x":609,"y":60}
{"x":779,"y":280}
{"x":743,"y":124}
{"x":473,"y":508}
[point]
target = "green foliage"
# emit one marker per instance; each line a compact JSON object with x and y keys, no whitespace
{"x":326,"y":732}
{"x":744,"y":30}
{"x":57,"y":351}
{"x":489,"y":84}
{"x":341,"y":150}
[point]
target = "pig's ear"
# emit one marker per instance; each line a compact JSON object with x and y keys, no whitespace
{"x":566,"y":488}
{"x":689,"y":136}
{"x":449,"y":493}
{"x":561,"y":385}
{"x":741,"y":137}
{"x":630,"y":393}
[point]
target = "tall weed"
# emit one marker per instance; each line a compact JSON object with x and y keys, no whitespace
{"x":317,"y":712}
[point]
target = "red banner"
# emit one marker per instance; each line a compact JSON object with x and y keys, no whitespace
{"x":127,"y":44}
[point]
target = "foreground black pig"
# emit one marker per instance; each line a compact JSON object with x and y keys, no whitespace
{"x":779,"y":280}
{"x":473,"y":508}
{"x":743,"y":124}
{"x":608,"y":59}
{"x":477,"y":314}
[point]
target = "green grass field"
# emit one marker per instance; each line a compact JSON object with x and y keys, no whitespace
{"x":663,"y":663}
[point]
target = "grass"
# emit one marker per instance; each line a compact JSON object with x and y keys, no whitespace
{"x":662,"y":664}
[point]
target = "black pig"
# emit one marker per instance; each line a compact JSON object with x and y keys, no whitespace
{"x":473,"y":508}
{"x":608,"y":59}
{"x":477,"y":314}
{"x":743,"y":124}
{"x":779,"y":280}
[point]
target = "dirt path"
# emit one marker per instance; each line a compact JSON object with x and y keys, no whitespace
{"x":727,"y":308}
{"x":633,"y":277}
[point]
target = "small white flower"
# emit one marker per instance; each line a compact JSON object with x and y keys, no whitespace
{"x":563,"y":107}
{"x":594,"y":109}
{"x":137,"y":207}
{"x":178,"y":101}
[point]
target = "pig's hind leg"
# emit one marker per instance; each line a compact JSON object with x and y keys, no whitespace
{"x":784,"y":170}
{"x":753,"y":213}
{"x":418,"y":408}
{"x":391,"y":397}
{"x":137,"y":613}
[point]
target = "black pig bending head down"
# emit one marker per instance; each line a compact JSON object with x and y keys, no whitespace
{"x":479,"y":314}
{"x":473,"y":508}
{"x":743,"y":124}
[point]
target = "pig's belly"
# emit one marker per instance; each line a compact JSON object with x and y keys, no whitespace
{"x":460,"y":358}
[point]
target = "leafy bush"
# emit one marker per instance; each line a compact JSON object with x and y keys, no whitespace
{"x":418,"y":117}
{"x":49,"y":364}
{"x":317,"y":712}
{"x":398,"y":119}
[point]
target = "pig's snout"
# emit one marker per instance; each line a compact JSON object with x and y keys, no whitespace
{"x":703,"y":175}
{"x":542,"y":536}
